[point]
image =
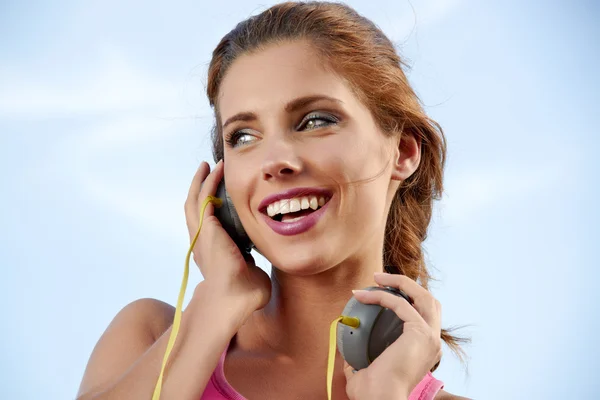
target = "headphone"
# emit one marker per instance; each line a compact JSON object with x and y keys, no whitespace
{"x":230,"y":220}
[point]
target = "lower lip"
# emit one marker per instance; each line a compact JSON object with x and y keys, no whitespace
{"x":299,"y":226}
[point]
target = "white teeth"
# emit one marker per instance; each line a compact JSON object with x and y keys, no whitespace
{"x":286,"y":206}
{"x":304,"y":203}
{"x":294,"y":205}
{"x":274,"y":208}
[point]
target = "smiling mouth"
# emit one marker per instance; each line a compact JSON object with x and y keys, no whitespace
{"x":290,"y":210}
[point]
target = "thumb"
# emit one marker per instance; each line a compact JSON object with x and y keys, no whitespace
{"x":352,"y":381}
{"x":349,"y":371}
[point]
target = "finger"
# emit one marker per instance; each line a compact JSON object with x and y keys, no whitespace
{"x":349,"y":371}
{"x":397,"y":304}
{"x":191,"y":202}
{"x":199,"y":177}
{"x":353,"y":381}
{"x":209,"y":187}
{"x":423,"y":301}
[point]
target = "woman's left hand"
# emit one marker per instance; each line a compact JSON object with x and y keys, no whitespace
{"x":400,"y":367}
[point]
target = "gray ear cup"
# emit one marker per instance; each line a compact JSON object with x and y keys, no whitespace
{"x":379,"y":327}
{"x":230,"y":220}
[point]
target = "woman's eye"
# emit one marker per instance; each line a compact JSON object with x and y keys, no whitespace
{"x":310,"y":122}
{"x":240,"y":139}
{"x":313,"y":121}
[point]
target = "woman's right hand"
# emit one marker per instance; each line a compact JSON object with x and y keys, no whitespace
{"x":223,"y":266}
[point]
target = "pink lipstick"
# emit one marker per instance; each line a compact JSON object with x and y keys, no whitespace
{"x":306,"y":218}
{"x":297,"y":226}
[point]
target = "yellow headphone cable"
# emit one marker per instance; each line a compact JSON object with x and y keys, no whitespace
{"x":350,"y":321}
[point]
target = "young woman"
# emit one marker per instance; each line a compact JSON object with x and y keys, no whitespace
{"x":332,"y":166}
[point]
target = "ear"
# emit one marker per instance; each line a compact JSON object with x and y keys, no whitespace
{"x":407,"y":156}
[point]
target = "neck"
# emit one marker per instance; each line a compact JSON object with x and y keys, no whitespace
{"x":296,"y":321}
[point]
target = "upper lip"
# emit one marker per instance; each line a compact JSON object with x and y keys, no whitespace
{"x":291,"y":193}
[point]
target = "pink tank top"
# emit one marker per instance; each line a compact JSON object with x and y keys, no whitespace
{"x":219,"y":389}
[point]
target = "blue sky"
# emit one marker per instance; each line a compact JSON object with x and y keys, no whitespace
{"x":103,"y":121}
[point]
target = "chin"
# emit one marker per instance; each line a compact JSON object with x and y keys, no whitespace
{"x":301,"y":259}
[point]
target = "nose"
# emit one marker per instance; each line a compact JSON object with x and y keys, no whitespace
{"x":281,"y":161}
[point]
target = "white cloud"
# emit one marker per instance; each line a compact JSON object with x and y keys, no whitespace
{"x":112,"y":84}
{"x":131,"y":102}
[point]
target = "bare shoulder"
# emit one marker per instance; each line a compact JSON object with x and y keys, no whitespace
{"x":443,"y":395}
{"x":131,"y":332}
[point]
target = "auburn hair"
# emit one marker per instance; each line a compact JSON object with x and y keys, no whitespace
{"x":356,"y":49}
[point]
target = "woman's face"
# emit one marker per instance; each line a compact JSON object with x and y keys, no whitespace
{"x":297,"y":138}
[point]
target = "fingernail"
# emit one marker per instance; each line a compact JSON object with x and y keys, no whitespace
{"x":359,"y":291}
{"x":379,"y":274}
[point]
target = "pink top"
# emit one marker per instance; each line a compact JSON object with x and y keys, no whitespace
{"x":219,"y":389}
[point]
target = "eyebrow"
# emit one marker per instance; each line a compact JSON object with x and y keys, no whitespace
{"x":290,"y":107}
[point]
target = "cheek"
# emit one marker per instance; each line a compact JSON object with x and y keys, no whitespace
{"x":350,"y":156}
{"x":236,"y":182}
{"x":362,"y":161}
{"x":364,"y":212}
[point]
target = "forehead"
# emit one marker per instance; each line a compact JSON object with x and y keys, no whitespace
{"x":273,"y":76}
